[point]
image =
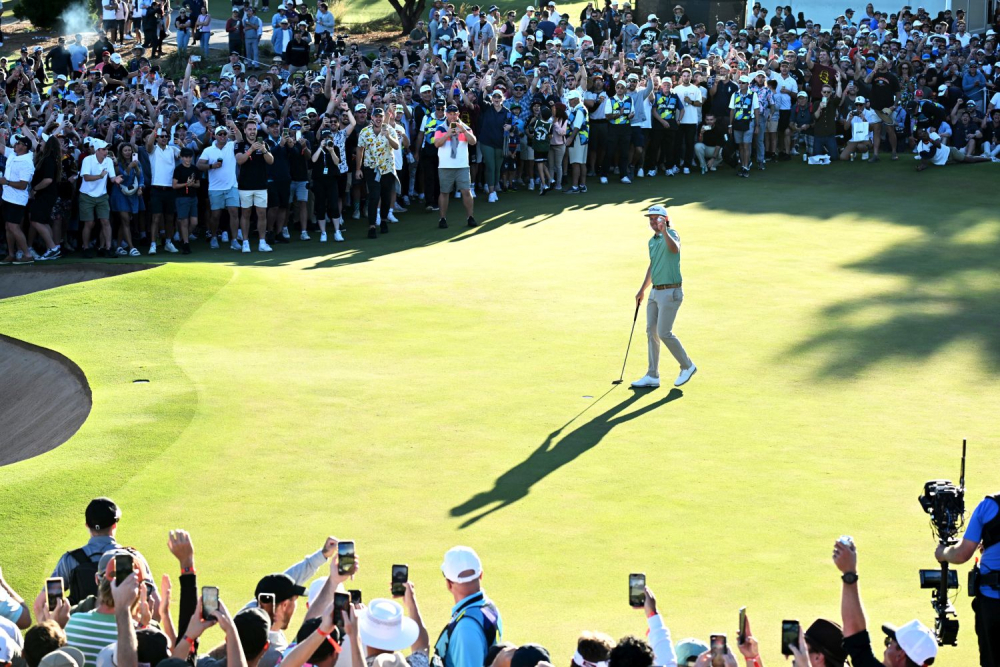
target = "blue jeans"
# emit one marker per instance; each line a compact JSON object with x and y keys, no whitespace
{"x":760,"y":127}
{"x":204,"y":38}
{"x":183,"y":38}
{"x":252,"y":49}
{"x":829,"y":143}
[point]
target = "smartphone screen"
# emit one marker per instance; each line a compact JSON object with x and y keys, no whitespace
{"x":54,"y":591}
{"x":345,"y":562}
{"x":637,"y":589}
{"x":742,"y":637}
{"x":400,"y":575}
{"x":355,"y":596}
{"x":789,"y":636}
{"x":266,"y":602}
{"x":123,"y":568}
{"x":718,"y":645}
{"x":340,"y":603}
{"x":209,"y":602}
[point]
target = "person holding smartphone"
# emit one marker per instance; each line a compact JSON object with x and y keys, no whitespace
{"x":452,"y":140}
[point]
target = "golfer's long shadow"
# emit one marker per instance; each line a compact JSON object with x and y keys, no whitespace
{"x":515,"y":484}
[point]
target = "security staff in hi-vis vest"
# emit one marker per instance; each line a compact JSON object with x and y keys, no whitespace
{"x":429,"y":153}
{"x":663,"y":135}
{"x":618,"y":110}
{"x":578,"y":139}
{"x":743,"y":112}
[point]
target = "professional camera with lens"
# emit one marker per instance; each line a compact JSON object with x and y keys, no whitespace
{"x":945,"y":503}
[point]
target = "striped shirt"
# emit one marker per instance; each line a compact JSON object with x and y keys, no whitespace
{"x":90,"y":632}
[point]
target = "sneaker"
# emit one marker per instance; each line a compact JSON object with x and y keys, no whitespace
{"x":604,"y":180}
{"x":192,"y":237}
{"x":169,"y":246}
{"x":337,"y":236}
{"x":322,"y":237}
{"x":304,"y":236}
{"x":285,"y":235}
{"x":50,"y":254}
{"x":626,"y":181}
{"x":186,"y":248}
{"x":372,"y":233}
{"x":573,"y":191}
{"x":34,"y":255}
{"x":245,"y":248}
{"x":392,"y":217}
{"x":531,"y":184}
{"x":225,"y":237}
{"x":177,"y":237}
{"x":134,"y":252}
{"x":641,"y":173}
{"x":263,"y":247}
{"x":685,"y":375}
{"x":152,"y":248}
{"x":6,"y":261}
{"x":429,"y":209}
{"x":442,"y":224}
{"x":651,"y":173}
{"x":21,"y":261}
{"x":704,"y":170}
{"x":583,"y":189}
{"x":686,"y":171}
{"x":356,"y":215}
{"x":493,"y":198}
{"x":646,"y":382}
{"x":214,"y":243}
{"x":239,"y":235}
{"x":542,"y":190}
{"x":471,"y":222}
{"x":397,"y":208}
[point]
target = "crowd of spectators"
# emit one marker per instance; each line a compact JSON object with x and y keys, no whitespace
{"x":107,"y":610}
{"x":104,"y":154}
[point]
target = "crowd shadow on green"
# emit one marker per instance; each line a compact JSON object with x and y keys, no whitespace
{"x":553,"y":454}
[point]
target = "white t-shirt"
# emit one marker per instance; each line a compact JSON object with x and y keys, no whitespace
{"x":867,"y":116}
{"x":19,"y":168}
{"x":223,"y":178}
{"x":460,"y":146}
{"x":163,"y":162}
{"x":785,"y":99}
{"x":940,"y":157}
{"x":91,"y":167}
{"x":398,"y":152}
{"x":692,"y":114}
{"x":995,"y":101}
{"x":108,"y":14}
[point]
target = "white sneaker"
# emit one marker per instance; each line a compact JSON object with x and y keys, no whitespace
{"x":652,"y":172}
{"x":34,"y":255}
{"x":378,"y":218}
{"x":604,"y":179}
{"x":458,"y":194}
{"x":177,"y":237}
{"x":493,"y":198}
{"x":472,"y":192}
{"x":169,"y":246}
{"x":356,"y":215}
{"x":239,"y":235}
{"x":322,"y":237}
{"x":686,"y":170}
{"x":531,"y":184}
{"x":225,"y":237}
{"x":304,"y":236}
{"x":263,"y":247}
{"x":152,"y":248}
{"x":284,"y":233}
{"x":214,"y":243}
{"x":236,"y":245}
{"x":646,"y":382}
{"x":685,"y":375}
{"x":192,"y":237}
{"x":626,"y":181}
{"x":641,"y":173}
{"x":392,"y":217}
{"x":338,"y":237}
{"x":246,"y":247}
{"x":397,"y":208}
{"x":675,"y":171}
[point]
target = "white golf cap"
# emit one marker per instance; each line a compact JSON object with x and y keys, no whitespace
{"x":314,"y":589}
{"x":860,"y":100}
{"x":652,"y":17}
{"x":425,"y":88}
{"x":633,"y":77}
{"x":573,"y":95}
{"x":461,"y":565}
{"x":530,"y":9}
{"x":916,"y":640}
{"x":745,"y":79}
{"x":656,"y":210}
{"x":620,"y":82}
{"x":802,"y":93}
{"x":222,"y":129}
{"x":98,"y":144}
{"x":383,"y":626}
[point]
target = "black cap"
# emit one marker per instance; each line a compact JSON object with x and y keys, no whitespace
{"x":529,"y":655}
{"x":102,"y":513}
{"x":253,"y":624}
{"x":281,"y":586}
{"x":827,"y":637}
{"x":452,"y":108}
{"x":154,"y":646}
{"x":325,"y":649}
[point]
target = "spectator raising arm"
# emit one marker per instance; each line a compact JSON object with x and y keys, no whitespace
{"x":12,"y":605}
{"x":125,"y":594}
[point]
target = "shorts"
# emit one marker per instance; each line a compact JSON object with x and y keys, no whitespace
{"x":187,"y":207}
{"x":955,"y":155}
{"x":772,"y":123}
{"x":784,"y":119}
{"x":110,"y":25}
{"x":541,"y":156}
{"x":743,"y":136}
{"x":251,"y":198}
{"x":639,"y":137}
{"x":13,"y":213}
{"x":577,"y":153}
{"x":452,"y":179}
{"x":299,"y":191}
{"x":220,"y":199}
{"x":161,"y":201}
{"x":279,"y":193}
{"x":91,"y":206}
{"x":136,"y":23}
{"x":886,"y":118}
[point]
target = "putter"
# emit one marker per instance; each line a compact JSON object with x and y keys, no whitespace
{"x":634,"y":318}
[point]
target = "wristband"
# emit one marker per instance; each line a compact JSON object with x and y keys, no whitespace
{"x":333,"y":642}
{"x":188,"y":570}
{"x":189,"y":640}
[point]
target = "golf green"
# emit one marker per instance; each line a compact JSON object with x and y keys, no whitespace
{"x":442,"y":387}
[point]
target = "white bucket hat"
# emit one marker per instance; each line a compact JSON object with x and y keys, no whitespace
{"x":383,"y":626}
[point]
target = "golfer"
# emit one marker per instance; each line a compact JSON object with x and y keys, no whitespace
{"x":664,"y":273}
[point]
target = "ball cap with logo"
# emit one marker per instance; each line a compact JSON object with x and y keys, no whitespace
{"x":916,"y":640}
{"x":656,"y":210}
{"x":102,"y":513}
{"x":461,"y":565}
{"x":281,"y":586}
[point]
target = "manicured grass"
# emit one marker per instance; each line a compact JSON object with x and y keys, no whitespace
{"x":843,"y":319}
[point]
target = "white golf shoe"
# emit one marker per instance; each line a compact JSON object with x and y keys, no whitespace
{"x":685,"y":375}
{"x":646,"y":382}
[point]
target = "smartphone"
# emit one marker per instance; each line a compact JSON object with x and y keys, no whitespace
{"x":345,"y":561}
{"x":717,"y":644}
{"x":266,"y":602}
{"x":742,"y":635}
{"x":54,"y":590}
{"x":196,"y":59}
{"x":123,"y":568}
{"x":637,"y":589}
{"x":355,"y":596}
{"x":340,"y":604}
{"x":209,"y":602}
{"x":400,"y":575}
{"x":789,"y":636}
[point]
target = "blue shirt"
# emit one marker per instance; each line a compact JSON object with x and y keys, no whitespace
{"x":98,"y":544}
{"x":467,"y":645}
{"x":990,"y":562}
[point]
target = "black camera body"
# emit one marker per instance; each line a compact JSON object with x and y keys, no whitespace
{"x":945,"y":502}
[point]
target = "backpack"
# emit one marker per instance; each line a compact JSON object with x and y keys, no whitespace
{"x":83,"y":579}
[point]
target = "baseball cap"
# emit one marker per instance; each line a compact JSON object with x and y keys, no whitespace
{"x":280,"y":585}
{"x":222,"y":130}
{"x":687,"y":649}
{"x":453,"y":108}
{"x":652,"y":17}
{"x":529,"y":655}
{"x":425,"y":88}
{"x":359,"y":107}
{"x":66,"y":656}
{"x":102,"y":513}
{"x":573,"y":95}
{"x":802,"y":93}
{"x":828,"y":638}
{"x":942,"y":89}
{"x":745,"y":78}
{"x":656,"y":210}
{"x":153,"y":646}
{"x":253,"y":625}
{"x":860,"y":100}
{"x":461,"y":560}
{"x":916,"y":640}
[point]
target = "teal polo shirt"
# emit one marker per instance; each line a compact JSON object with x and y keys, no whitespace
{"x":666,"y":265}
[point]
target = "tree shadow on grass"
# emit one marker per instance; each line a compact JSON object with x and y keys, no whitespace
{"x":551,"y":455}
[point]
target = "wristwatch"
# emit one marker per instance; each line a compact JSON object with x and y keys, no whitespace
{"x":849,"y":577}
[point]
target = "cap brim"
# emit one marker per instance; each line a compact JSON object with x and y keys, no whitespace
{"x":889,"y":630}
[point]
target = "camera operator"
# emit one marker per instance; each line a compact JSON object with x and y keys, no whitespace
{"x":910,"y":645}
{"x":983,"y":530}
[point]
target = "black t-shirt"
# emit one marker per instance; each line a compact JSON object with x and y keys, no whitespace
{"x":47,"y":169}
{"x":298,"y":161}
{"x":720,"y":100}
{"x":859,"y":647}
{"x":324,"y":167}
{"x":253,"y":172}
{"x":277,"y":170}
{"x":884,"y":87}
{"x":181,"y":174}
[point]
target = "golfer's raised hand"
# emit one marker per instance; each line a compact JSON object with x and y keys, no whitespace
{"x":845,"y":557}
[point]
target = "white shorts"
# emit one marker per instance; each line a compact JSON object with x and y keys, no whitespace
{"x":251,"y":198}
{"x":577,"y":153}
